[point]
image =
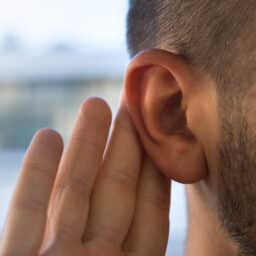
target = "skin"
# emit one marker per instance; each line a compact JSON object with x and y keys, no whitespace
{"x":200,"y":136}
{"x":173,"y":124}
{"x":84,"y":201}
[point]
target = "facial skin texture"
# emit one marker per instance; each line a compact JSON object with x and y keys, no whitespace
{"x":218,"y":38}
{"x":237,"y":179}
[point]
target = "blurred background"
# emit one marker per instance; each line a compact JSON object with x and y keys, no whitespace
{"x":53,"y":55}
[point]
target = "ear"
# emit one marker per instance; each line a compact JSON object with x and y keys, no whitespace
{"x":158,"y":88}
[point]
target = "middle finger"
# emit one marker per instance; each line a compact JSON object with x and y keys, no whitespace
{"x":78,"y":170}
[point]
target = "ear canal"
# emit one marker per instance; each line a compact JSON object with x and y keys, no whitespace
{"x":172,"y":116}
{"x":162,"y":110}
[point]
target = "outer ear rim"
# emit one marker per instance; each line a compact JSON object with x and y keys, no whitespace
{"x":149,"y":57}
{"x":145,"y":59}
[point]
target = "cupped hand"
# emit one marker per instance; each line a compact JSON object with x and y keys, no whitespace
{"x":99,"y":197}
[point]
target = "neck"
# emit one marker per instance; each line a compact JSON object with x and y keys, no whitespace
{"x":206,"y":236}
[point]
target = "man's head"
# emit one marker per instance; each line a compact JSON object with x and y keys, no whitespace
{"x":193,"y":101}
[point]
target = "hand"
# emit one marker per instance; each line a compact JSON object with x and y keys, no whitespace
{"x":88,"y":201}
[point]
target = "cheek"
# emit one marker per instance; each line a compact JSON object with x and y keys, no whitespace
{"x":203,"y":120}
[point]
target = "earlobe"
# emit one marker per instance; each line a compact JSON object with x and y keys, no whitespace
{"x":156,"y":96}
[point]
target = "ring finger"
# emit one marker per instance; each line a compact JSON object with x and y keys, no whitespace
{"x":114,"y":198}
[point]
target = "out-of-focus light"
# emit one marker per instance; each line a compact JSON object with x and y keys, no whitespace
{"x":89,"y":22}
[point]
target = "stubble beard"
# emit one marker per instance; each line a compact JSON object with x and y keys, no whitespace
{"x":237,"y":178}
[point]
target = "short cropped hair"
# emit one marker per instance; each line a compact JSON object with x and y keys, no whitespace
{"x":216,"y":36}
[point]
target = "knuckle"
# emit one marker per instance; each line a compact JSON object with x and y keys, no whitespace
{"x":80,"y":185}
{"x":158,"y":200}
{"x":39,"y":170}
{"x":123,"y":177}
{"x":52,"y":249}
{"x":102,"y":232}
{"x":100,"y":247}
{"x":77,"y":185}
{"x":11,"y":252}
{"x":32,"y":205}
{"x":60,"y":242}
{"x":65,"y":233}
{"x":91,"y":144}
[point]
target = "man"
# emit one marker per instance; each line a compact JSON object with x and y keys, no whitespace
{"x":191,"y":100}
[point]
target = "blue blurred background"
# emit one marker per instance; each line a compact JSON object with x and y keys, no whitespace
{"x":54,"y":54}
